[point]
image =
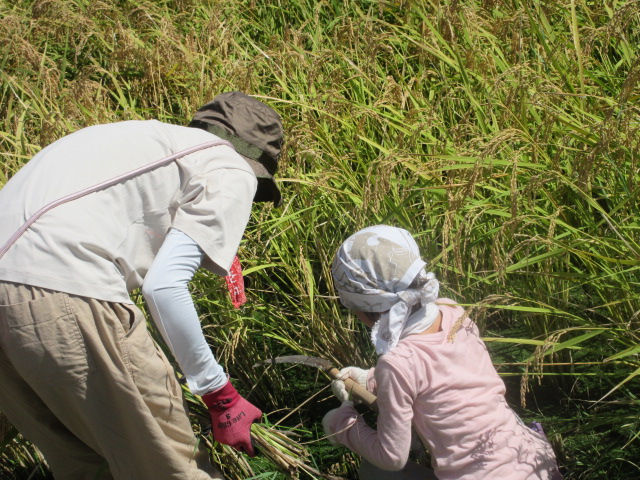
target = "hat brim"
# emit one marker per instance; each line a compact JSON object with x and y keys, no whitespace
{"x":267,"y":190}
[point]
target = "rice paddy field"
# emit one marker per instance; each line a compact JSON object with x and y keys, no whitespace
{"x":504,"y":134}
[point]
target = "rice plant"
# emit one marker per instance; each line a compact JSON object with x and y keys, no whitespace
{"x":502,"y":133}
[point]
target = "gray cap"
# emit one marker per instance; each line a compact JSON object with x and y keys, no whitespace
{"x":254,"y":129}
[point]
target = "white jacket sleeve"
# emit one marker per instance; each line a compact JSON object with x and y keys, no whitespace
{"x":165,"y":289}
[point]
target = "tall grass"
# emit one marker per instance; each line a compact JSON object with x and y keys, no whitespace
{"x":502,"y":133}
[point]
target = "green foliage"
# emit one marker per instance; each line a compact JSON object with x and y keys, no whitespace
{"x":502,"y":133}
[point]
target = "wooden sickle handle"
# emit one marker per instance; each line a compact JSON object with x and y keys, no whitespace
{"x":356,"y":390}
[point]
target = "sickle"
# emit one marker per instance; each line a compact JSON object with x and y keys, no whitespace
{"x":356,"y":390}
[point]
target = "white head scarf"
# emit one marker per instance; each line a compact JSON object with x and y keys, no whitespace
{"x":373,"y":271}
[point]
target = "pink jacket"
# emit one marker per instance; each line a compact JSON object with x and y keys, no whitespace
{"x":453,"y":397}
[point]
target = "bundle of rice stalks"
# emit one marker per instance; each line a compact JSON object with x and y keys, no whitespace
{"x":283,"y":451}
{"x":275,"y":445}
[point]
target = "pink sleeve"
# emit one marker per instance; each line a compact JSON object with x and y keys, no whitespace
{"x":388,"y":446}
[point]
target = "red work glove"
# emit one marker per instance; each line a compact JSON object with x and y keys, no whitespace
{"x":235,"y":284}
{"x":231,"y":418}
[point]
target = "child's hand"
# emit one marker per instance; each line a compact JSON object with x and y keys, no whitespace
{"x":356,"y":374}
{"x":331,"y":420}
{"x":340,"y":390}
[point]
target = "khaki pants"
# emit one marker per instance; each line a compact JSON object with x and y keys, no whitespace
{"x":84,"y":381}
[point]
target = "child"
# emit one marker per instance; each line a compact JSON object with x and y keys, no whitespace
{"x":434,"y":374}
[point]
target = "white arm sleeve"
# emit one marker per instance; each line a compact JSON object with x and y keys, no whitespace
{"x":165,"y":289}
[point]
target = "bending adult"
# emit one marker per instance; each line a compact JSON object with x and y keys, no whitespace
{"x":81,"y":376}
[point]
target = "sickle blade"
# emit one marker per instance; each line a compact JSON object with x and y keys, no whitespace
{"x":297,"y":359}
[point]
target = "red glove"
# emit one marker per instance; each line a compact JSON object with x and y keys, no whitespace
{"x":235,"y":284}
{"x":231,"y":418}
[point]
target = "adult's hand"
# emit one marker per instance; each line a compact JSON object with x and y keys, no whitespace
{"x":231,"y":418}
